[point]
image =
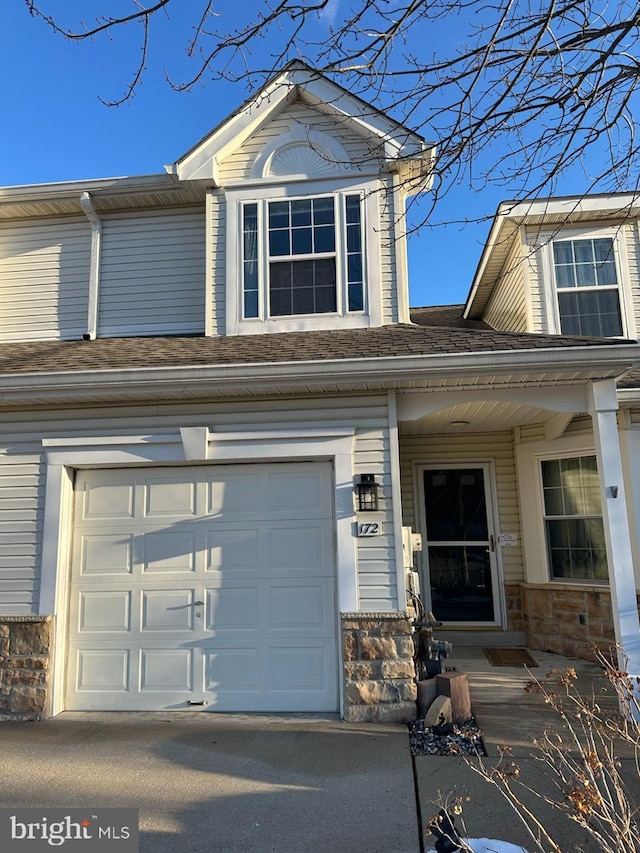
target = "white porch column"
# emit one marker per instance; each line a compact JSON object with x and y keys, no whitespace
{"x":603,"y":406}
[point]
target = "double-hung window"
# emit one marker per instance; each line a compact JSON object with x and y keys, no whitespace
{"x":587,"y":287}
{"x":573,"y":519}
{"x":302,"y":256}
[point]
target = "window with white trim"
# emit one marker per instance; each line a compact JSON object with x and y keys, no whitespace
{"x":587,"y":287}
{"x":573,"y":523}
{"x":302,"y":256}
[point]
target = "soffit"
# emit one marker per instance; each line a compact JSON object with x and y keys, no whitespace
{"x":106,"y":195}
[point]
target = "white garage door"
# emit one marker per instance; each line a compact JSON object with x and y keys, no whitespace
{"x":207,"y":584}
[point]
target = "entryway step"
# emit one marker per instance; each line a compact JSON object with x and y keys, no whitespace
{"x":483,"y":638}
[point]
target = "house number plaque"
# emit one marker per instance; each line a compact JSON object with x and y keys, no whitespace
{"x":369,"y":528}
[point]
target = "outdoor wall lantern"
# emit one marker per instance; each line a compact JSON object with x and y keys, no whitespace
{"x":367,"y":492}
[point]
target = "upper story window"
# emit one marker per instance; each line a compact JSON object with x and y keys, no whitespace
{"x":587,"y":287}
{"x":302,"y":256}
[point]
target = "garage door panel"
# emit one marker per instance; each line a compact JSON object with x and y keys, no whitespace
{"x":299,"y":669}
{"x":299,"y":550}
{"x":234,"y":549}
{"x":233,"y":495}
{"x":249,"y":541}
{"x":166,"y":670}
{"x":300,"y":609}
{"x":104,"y":670}
{"x":108,"y":500}
{"x":167,"y":610}
{"x":109,"y":610}
{"x":232,"y":670}
{"x":170,"y":497}
{"x":234,"y":609}
{"x":297,"y":494}
{"x":169,"y":551}
{"x":106,"y":553}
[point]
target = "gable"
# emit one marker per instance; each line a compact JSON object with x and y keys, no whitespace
{"x":302,"y":143}
{"x":345,"y":113}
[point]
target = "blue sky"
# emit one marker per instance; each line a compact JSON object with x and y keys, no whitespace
{"x":55,"y":128}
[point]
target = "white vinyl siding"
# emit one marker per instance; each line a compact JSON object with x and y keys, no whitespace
{"x":494,"y":447}
{"x":21,"y":434}
{"x":388,"y":254}
{"x":507,"y":308}
{"x":218,"y":259}
{"x":539,"y":311}
{"x":152,"y":273}
{"x":238,"y":166}
{"x":44,"y":279}
{"x":21,"y":515}
{"x":632,"y":243}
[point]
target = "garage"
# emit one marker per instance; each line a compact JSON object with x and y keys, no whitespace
{"x":209,"y":587}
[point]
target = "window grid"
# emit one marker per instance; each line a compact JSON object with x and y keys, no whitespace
{"x":573,"y":519}
{"x":587,"y":286}
{"x":250,"y":260}
{"x":355,"y":277}
{"x":314,"y":246}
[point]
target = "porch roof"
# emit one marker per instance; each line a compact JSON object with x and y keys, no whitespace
{"x":398,"y":340}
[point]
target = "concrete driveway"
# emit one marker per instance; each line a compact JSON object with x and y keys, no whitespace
{"x":209,"y":782}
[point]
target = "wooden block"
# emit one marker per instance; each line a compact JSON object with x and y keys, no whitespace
{"x":426,"y":694}
{"x":455,"y":685}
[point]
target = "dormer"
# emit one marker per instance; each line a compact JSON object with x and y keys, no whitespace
{"x":307,"y":188}
{"x":568,"y":266}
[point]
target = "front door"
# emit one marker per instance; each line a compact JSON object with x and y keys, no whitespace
{"x":460,"y":544}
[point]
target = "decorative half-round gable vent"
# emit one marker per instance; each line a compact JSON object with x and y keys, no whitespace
{"x":301,"y":153}
{"x":298,"y":159}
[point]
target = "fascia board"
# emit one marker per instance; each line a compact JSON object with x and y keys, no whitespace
{"x":334,"y":100}
{"x":610,"y":360}
{"x":216,"y":147}
{"x":318,"y":91}
{"x":564,"y":206}
{"x":72,"y":189}
{"x":494,"y":240}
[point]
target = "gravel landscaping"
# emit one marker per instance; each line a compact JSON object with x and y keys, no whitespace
{"x":447,"y":739}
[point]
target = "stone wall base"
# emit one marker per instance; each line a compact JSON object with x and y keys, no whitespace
{"x":379,"y":673}
{"x":566,"y":619}
{"x":25,"y":654}
{"x":513,"y":596}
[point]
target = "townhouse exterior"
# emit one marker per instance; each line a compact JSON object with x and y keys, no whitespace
{"x":218,"y":413}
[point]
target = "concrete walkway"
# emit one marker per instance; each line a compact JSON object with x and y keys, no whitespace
{"x":510,"y":716}
{"x":223,"y":783}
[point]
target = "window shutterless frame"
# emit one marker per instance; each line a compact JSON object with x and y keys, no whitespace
{"x":586,"y":282}
{"x":572,"y":516}
{"x":303,"y":256}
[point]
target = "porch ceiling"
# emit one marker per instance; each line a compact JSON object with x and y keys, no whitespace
{"x":475,"y":417}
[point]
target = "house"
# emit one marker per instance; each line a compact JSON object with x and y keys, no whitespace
{"x":218,"y":413}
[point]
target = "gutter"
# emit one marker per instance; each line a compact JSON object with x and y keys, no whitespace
{"x":357,"y":373}
{"x":94,"y":270}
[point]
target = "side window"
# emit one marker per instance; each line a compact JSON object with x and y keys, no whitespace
{"x":312,"y":256}
{"x":573,"y":519}
{"x":587,"y":287}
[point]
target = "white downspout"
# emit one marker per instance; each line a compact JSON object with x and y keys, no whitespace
{"x":94,"y":271}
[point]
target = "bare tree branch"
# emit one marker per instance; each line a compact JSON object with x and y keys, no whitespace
{"x":527,"y":90}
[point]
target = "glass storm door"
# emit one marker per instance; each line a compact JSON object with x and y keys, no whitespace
{"x":460,"y":546}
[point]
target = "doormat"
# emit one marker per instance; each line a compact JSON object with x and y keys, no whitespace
{"x":509,"y":657}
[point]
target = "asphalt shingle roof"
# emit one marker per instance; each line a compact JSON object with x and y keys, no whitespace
{"x":386,"y":341}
